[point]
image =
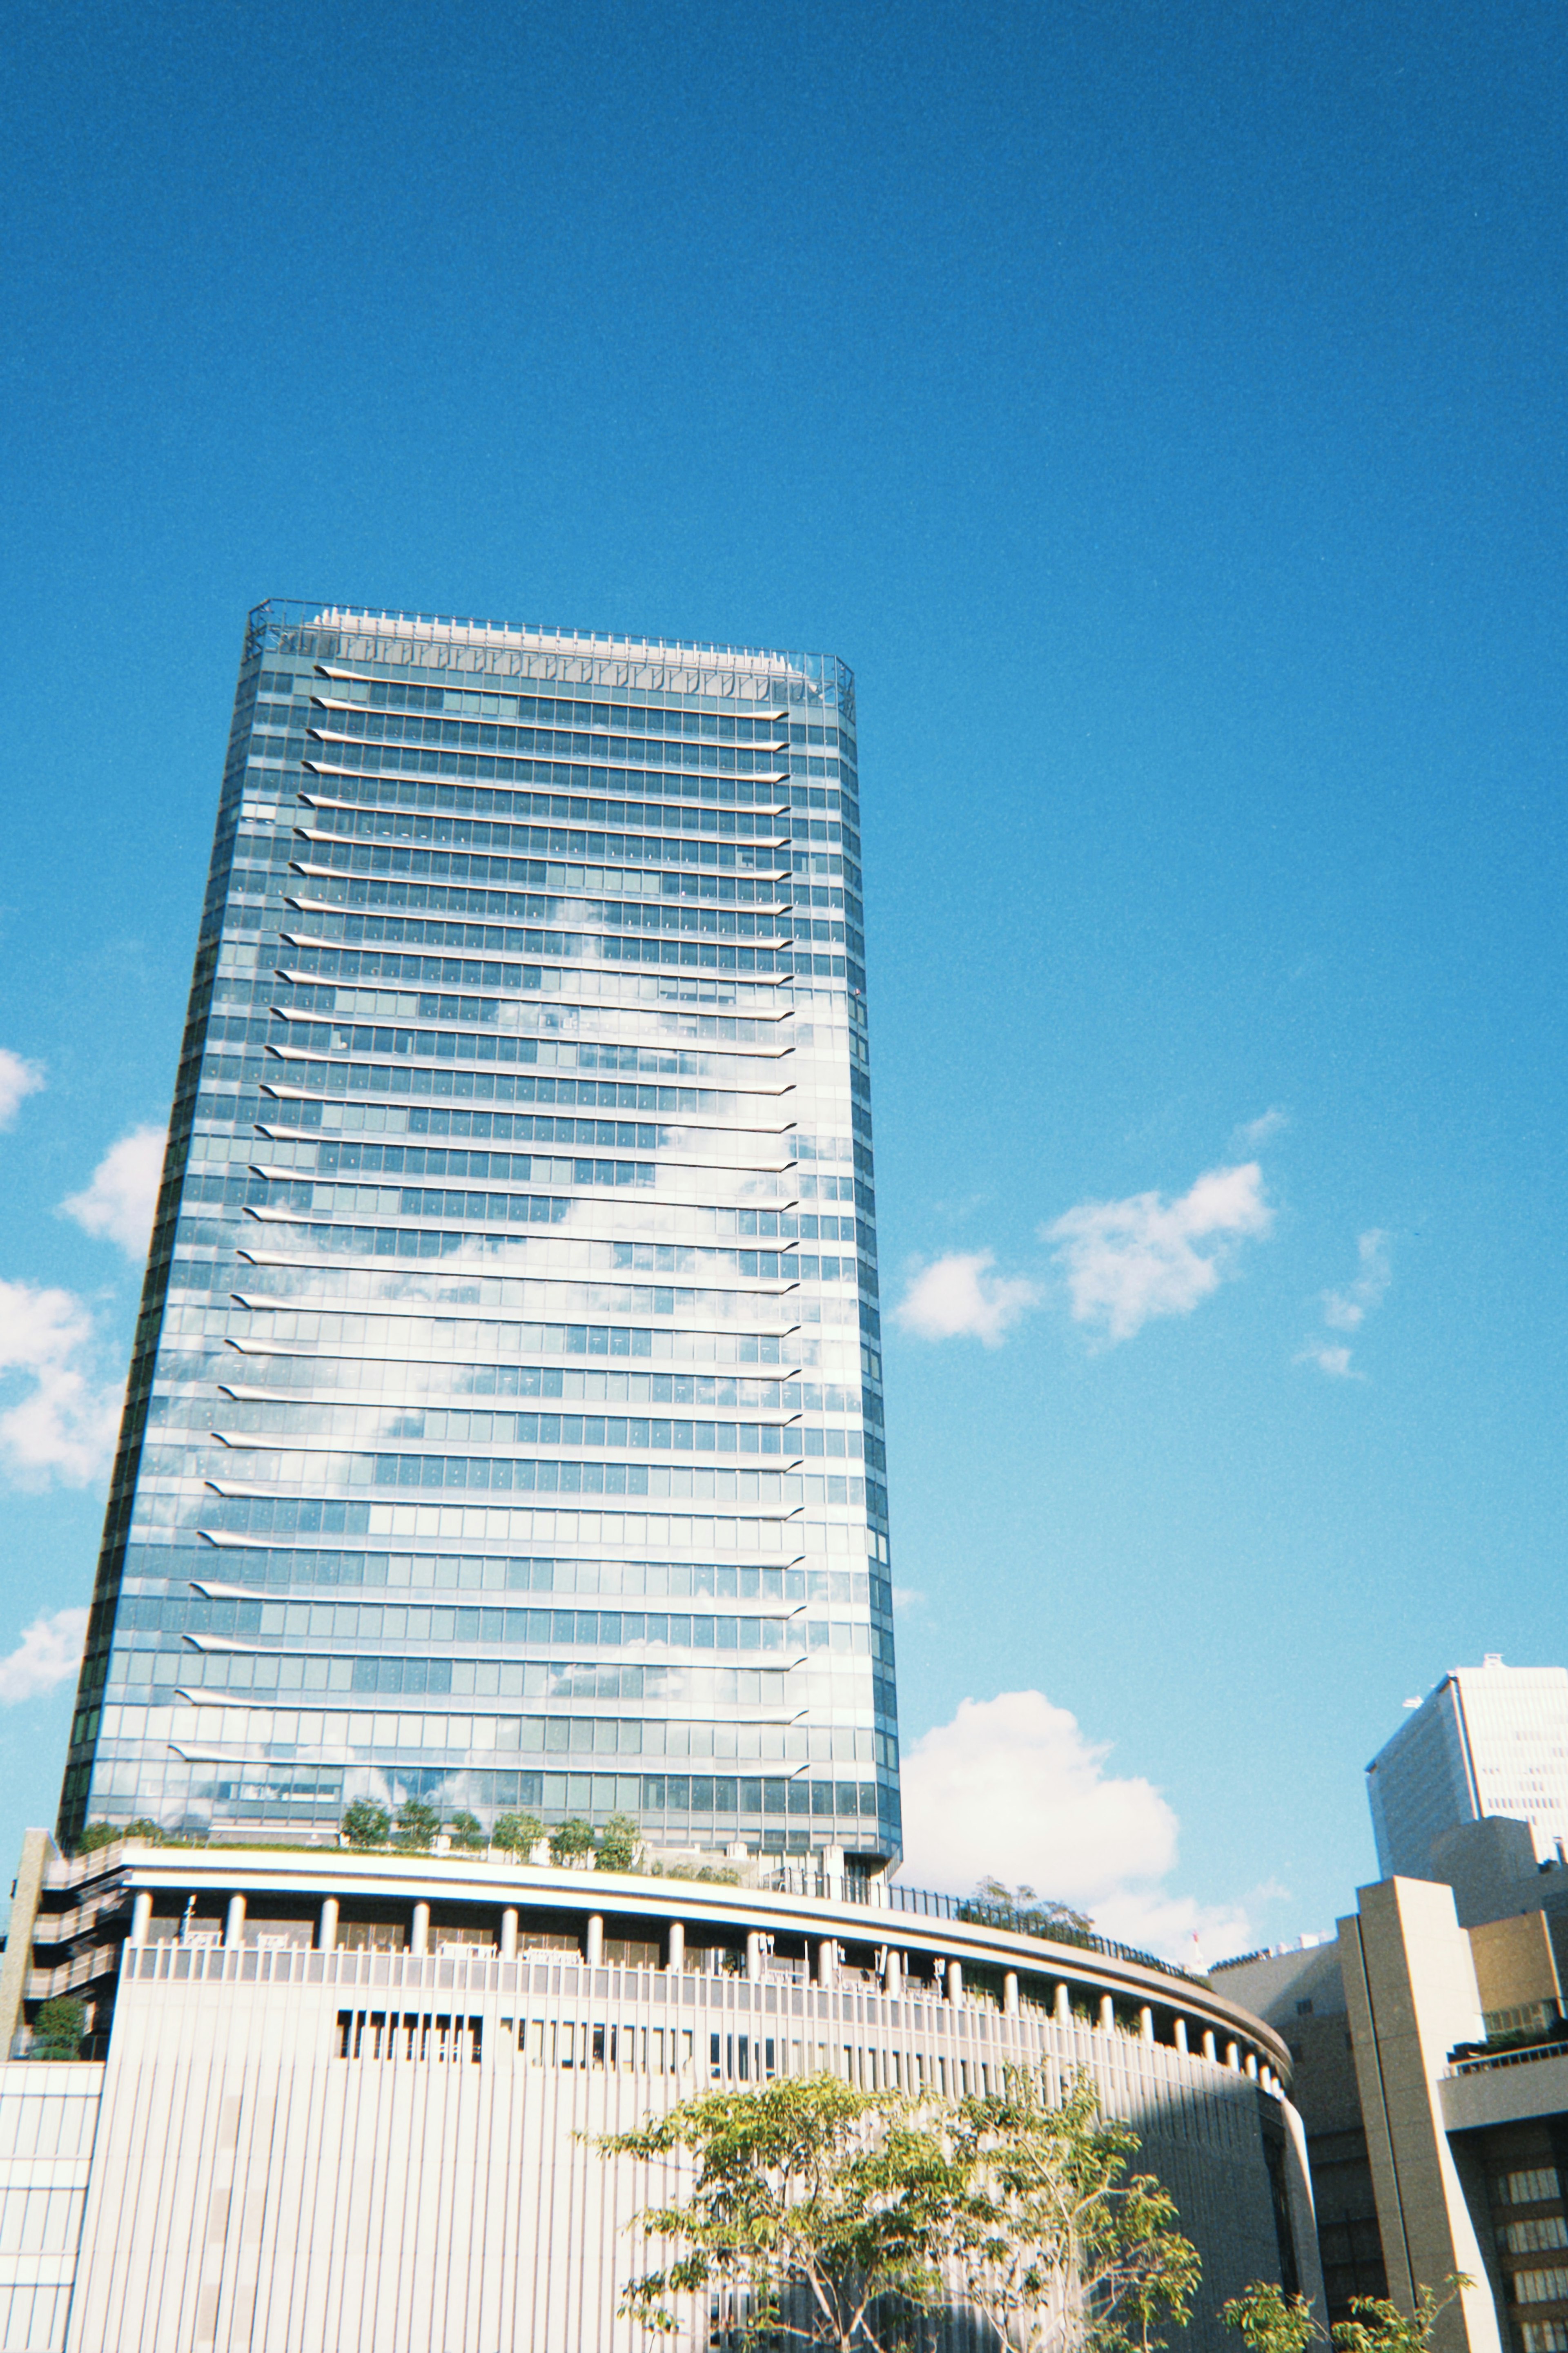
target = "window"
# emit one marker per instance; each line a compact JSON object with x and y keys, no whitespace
{"x":1528,"y":2189}
{"x":1540,"y":2287}
{"x":1534,"y":2238}
{"x":408,"y":2034}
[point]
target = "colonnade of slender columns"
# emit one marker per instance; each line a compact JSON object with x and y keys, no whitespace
{"x":826,"y":1958}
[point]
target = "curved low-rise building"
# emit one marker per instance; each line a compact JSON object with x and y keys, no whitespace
{"x":343,"y":2100}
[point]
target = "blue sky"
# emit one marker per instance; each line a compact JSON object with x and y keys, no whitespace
{"x":1162,"y":410}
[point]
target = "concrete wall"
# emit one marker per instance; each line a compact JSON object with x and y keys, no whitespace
{"x":48,"y":2119}
{"x":252,"y":2187}
{"x":1410,"y":1987}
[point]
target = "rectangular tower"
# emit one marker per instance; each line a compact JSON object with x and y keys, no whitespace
{"x":1488,"y":1740}
{"x":505,"y":1417}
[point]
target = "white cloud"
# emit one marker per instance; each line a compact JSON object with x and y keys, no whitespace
{"x":1254,"y":1133}
{"x":18,"y":1080}
{"x":1331,"y":1357}
{"x":905,"y":1598}
{"x":1347,"y":1310}
{"x":63,"y":1426}
{"x":1177,"y":1927}
{"x":1127,"y":1260}
{"x":119,"y":1202}
{"x":1013,"y":1788}
{"x":959,"y":1297}
{"x":48,"y":1652}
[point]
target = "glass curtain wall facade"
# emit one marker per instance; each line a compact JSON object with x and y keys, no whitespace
{"x":505,"y":1419}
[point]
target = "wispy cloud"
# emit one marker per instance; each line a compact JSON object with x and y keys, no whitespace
{"x":63,"y":1424}
{"x":1014,"y":1787}
{"x":1254,"y":1133}
{"x":1126,"y":1261}
{"x":906,"y":1597}
{"x":18,"y":1080}
{"x":119,"y":1202}
{"x":955,"y":1212}
{"x":48,"y":1653}
{"x":959,"y":1297}
{"x":1347,"y":1310}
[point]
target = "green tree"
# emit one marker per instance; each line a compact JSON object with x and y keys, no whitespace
{"x":1270,"y":2322}
{"x":366,"y":1823}
{"x":1379,"y":2327}
{"x":517,"y":1834}
{"x":143,"y":1827}
{"x":58,"y":2028}
{"x":96,"y":1834}
{"x":417,"y":1824}
{"x":1058,"y":2245}
{"x":618,"y":1843}
{"x":1042,"y":1915}
{"x":468,"y":1831}
{"x":569,"y":1839}
{"x":819,"y":2212}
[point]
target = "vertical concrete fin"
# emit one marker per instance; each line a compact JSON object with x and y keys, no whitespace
{"x":38,"y":1852}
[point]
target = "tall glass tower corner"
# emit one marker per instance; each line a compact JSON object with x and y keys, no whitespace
{"x":504,"y":1426}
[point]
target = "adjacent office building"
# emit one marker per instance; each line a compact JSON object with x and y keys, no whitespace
{"x":1431,"y":2072}
{"x":1488,"y":1740}
{"x":505,"y":1421}
{"x":1428,"y":2042}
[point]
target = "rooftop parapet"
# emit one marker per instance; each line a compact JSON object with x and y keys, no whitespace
{"x":878,"y":1936}
{"x":329,"y":631}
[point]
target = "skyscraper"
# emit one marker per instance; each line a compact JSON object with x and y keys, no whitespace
{"x":1486,"y":1741}
{"x":504,"y":1425}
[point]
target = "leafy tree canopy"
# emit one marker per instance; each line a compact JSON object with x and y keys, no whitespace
{"x":366,"y":1823}
{"x":468,"y":1831}
{"x":828,"y":2215}
{"x":570,"y":1838}
{"x":1043,"y":1914}
{"x":619,"y":1843}
{"x":1057,"y":2243}
{"x":1270,"y":2322}
{"x":818,"y":2212}
{"x":1379,"y":2327}
{"x":58,"y":2028}
{"x":519,"y":1835}
{"x":418,"y":1823}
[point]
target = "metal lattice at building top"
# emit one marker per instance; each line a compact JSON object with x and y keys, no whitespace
{"x":505,"y":1421}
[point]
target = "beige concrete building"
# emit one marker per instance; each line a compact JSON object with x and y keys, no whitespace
{"x":1431,"y":2067}
{"x":337,"y":2102}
